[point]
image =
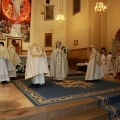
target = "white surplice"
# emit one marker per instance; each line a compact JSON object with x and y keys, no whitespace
{"x":58,"y":64}
{"x":103,"y":60}
{"x":14,"y":58}
{"x":4,"y":59}
{"x":94,"y":68}
{"x":4,"y":70}
{"x":109,"y":64}
{"x":36,"y":65}
{"x":4,"y":54}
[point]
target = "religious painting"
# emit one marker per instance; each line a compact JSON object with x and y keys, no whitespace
{"x":49,"y":12}
{"x":48,"y":39}
{"x":15,"y":19}
{"x":18,"y":43}
{"x":2,"y":36}
{"x":75,"y":42}
{"x":76,"y":6}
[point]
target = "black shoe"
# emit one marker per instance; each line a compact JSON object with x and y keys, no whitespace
{"x":4,"y":82}
{"x":13,"y":78}
{"x":34,"y":84}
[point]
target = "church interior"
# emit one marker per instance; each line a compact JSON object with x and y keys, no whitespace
{"x":81,"y":28}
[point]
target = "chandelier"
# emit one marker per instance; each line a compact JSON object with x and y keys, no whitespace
{"x":60,"y":17}
{"x":100,"y":8}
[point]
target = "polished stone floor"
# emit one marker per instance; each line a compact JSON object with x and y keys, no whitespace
{"x":12,"y":99}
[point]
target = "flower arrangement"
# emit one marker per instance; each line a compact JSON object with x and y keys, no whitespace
{"x":20,"y":68}
{"x":65,"y":49}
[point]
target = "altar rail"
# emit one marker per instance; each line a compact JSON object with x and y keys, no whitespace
{"x":74,"y":56}
{"x":77,"y":56}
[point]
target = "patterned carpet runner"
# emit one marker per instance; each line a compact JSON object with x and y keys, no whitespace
{"x":111,"y":103}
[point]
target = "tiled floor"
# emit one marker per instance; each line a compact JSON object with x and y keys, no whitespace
{"x":12,"y":99}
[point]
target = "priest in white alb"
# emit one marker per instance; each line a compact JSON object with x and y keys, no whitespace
{"x":4,"y":59}
{"x":103,"y":60}
{"x":14,"y":58}
{"x":109,"y":63}
{"x":94,"y":68}
{"x":36,"y":65}
{"x":58,"y":63}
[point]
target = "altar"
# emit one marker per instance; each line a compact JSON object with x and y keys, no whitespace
{"x":82,"y":67}
{"x":23,"y":59}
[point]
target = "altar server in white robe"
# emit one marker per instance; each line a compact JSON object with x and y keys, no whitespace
{"x":94,"y":68}
{"x":58,"y":63}
{"x":14,"y":58}
{"x":4,"y":57}
{"x":109,"y":63}
{"x":103,"y":60}
{"x":36,"y":65}
{"x":4,"y":77}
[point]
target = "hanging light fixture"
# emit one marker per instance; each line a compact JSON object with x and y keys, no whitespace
{"x":60,"y":17}
{"x":100,"y":8}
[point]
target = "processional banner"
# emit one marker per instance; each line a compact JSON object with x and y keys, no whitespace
{"x":15,"y":19}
